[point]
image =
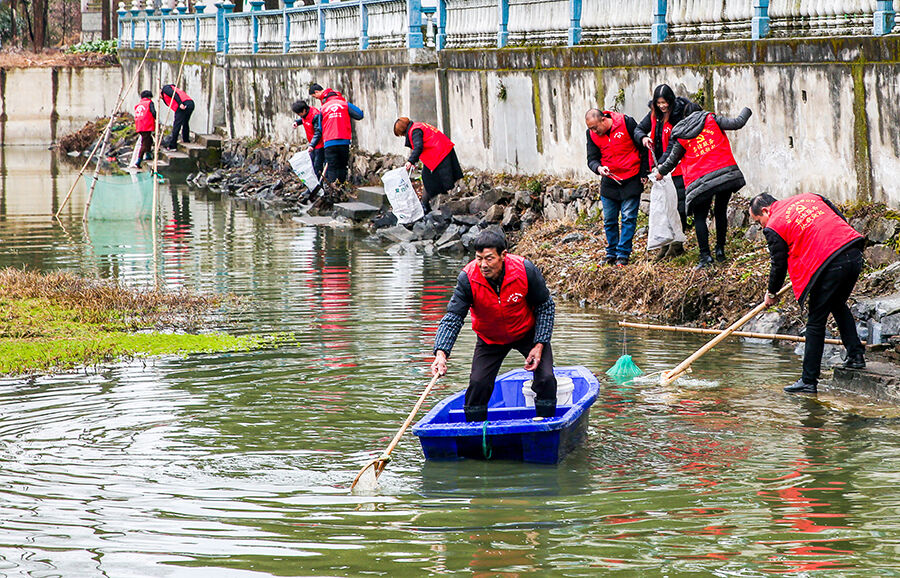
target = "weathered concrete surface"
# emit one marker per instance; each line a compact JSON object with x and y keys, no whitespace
{"x":825,"y":109}
{"x":39,"y":104}
{"x":878,"y":380}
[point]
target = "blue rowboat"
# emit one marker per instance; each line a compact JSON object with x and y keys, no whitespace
{"x":510,"y":432}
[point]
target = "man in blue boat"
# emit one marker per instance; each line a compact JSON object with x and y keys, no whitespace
{"x":511,"y":309}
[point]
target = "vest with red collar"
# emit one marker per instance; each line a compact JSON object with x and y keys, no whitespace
{"x":504,"y":318}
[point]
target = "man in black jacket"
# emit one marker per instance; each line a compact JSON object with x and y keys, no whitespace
{"x":511,"y":309}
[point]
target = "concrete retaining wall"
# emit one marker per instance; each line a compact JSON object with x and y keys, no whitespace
{"x":823,"y":121}
{"x":39,"y":104}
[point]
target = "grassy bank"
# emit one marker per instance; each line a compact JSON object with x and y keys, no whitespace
{"x":670,"y":290}
{"x":60,"y":321}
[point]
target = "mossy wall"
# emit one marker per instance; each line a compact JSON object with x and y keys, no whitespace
{"x":824,"y":108}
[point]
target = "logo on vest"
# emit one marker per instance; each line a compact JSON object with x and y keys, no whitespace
{"x":514,"y":298}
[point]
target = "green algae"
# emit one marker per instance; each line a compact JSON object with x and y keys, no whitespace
{"x":59,"y":322}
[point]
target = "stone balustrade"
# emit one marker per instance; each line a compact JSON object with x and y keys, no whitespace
{"x":364,"y":24}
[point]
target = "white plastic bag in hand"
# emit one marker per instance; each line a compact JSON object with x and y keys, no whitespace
{"x":400,"y":193}
{"x":665,"y":223}
{"x":303,"y":166}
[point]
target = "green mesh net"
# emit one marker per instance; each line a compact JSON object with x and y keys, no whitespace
{"x":121,"y":197}
{"x":624,"y":368}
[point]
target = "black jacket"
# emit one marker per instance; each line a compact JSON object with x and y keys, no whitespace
{"x":681,"y":108}
{"x":608,"y":187}
{"x":727,"y":178}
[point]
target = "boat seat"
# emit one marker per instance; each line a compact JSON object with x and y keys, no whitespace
{"x":505,"y":413}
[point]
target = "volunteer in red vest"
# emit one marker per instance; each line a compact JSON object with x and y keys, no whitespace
{"x":811,"y":240}
{"x":183,"y":105}
{"x":311,"y":120}
{"x":337,"y":131}
{"x":666,"y":110}
{"x":432,"y":147}
{"x":710,"y":172}
{"x":614,"y":153}
{"x":145,"y":124}
{"x":511,"y":309}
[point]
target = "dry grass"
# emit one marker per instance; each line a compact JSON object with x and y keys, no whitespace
{"x":17,"y":58}
{"x":670,"y":290}
{"x":101,"y":301}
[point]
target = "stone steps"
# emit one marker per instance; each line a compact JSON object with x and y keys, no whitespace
{"x":355,"y":210}
{"x":204,"y":150}
{"x":374,"y":196}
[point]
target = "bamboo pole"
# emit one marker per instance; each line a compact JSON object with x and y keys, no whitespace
{"x":668,"y":377}
{"x":123,"y":94}
{"x":700,"y":330}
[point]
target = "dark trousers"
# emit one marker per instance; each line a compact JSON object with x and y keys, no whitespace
{"x":829,"y":295}
{"x":486,"y":362}
{"x":182,"y":124}
{"x":678,"y":181}
{"x":336,"y":157}
{"x":146,"y":144}
{"x":700,"y":209}
{"x":317,"y":156}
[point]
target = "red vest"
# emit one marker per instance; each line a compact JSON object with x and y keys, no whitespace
{"x":813,"y":233}
{"x":436,"y":145}
{"x":171,"y":102}
{"x":143,"y":120}
{"x":335,"y":119}
{"x":506,"y":318}
{"x":666,"y":133}
{"x":707,"y":152}
{"x":308,"y":127}
{"x":617,"y":150}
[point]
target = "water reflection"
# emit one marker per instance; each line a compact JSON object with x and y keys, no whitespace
{"x":239,"y":464}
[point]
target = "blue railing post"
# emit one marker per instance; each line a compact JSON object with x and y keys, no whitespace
{"x":181,"y":9}
{"x":196,"y":31}
{"x":255,"y":6}
{"x":288,"y":4}
{"x":503,"y":30}
{"x":134,"y":14}
{"x":574,"y":22}
{"x":321,"y":12}
{"x":759,"y":26}
{"x":121,"y":12}
{"x":659,"y":30}
{"x":884,"y":18}
{"x":149,"y":12}
{"x":229,"y":8}
{"x":440,"y":36}
{"x":162,"y":27}
{"x":363,"y":26}
{"x":414,"y":37}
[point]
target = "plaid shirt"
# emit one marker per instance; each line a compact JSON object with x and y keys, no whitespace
{"x":538,"y":298}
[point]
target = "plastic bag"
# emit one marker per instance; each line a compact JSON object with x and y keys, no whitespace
{"x":665,"y":223}
{"x":303,"y":166}
{"x":400,"y":193}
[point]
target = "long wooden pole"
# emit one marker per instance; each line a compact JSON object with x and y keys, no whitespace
{"x":668,"y":377}
{"x":123,"y":94}
{"x":703,"y":331}
{"x":378,"y":463}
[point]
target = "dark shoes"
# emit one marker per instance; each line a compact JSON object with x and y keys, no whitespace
{"x":610,"y":260}
{"x":705,"y":261}
{"x":621,"y":261}
{"x":801,"y":386}
{"x":720,"y":254}
{"x":855,"y":362}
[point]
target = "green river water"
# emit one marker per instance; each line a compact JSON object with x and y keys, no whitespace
{"x":239,"y":464}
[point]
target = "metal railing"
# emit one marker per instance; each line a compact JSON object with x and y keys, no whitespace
{"x":365,"y":24}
